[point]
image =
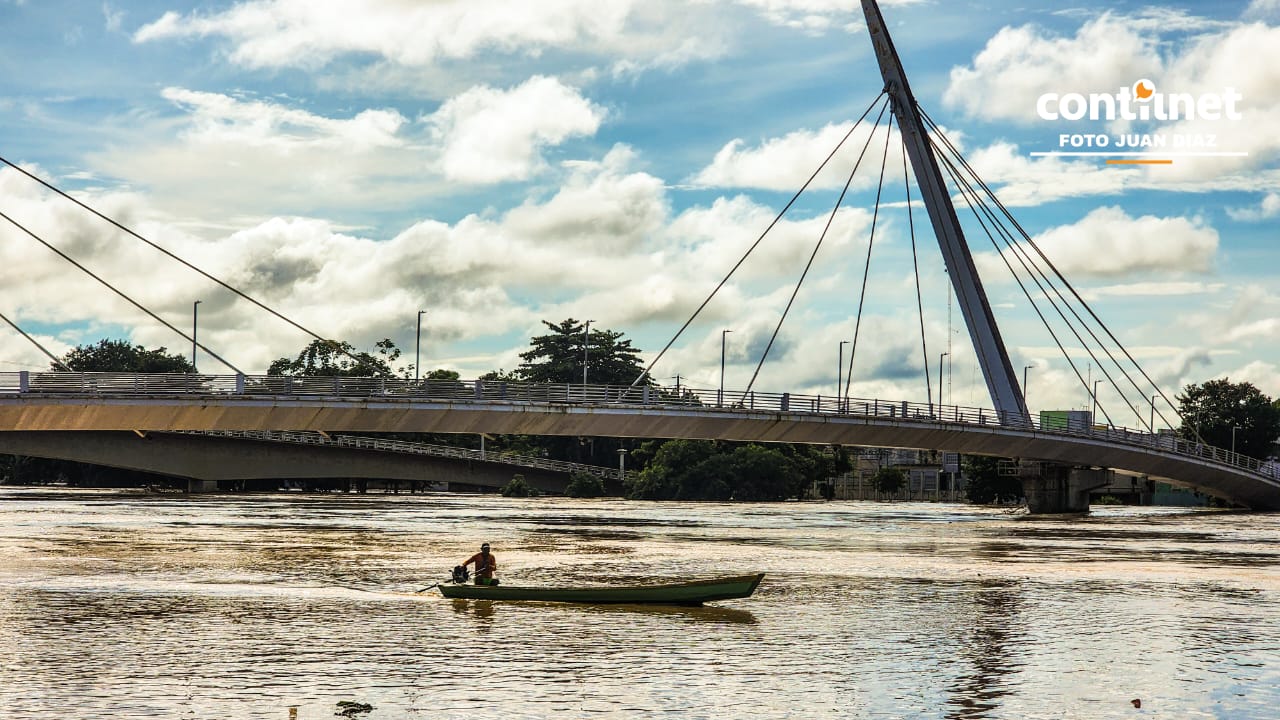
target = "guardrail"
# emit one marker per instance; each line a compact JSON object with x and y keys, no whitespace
{"x":471,"y":391}
{"x":403,"y":446}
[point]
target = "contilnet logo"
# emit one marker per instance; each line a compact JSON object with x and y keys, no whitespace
{"x":1141,"y":101}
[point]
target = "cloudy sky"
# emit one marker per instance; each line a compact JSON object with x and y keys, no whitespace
{"x":497,"y":163}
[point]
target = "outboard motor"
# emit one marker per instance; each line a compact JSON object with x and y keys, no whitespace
{"x":460,"y":574}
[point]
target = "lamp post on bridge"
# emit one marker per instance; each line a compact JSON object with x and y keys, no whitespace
{"x":1151,"y":425}
{"x":1093,"y":414}
{"x":940,"y":359}
{"x":417,"y":345}
{"x":1025,"y":368}
{"x":195,"y":316}
{"x":586,"y":338}
{"x":720,"y":397}
{"x":1234,"y":428}
{"x":840,"y":377}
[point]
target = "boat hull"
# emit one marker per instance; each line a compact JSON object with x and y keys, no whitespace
{"x":687,"y":593}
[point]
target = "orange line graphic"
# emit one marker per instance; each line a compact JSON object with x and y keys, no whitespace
{"x":1139,"y":162}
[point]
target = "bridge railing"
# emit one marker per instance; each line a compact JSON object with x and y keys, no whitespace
{"x":682,"y":398}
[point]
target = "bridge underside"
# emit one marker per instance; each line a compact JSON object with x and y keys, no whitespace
{"x":361,"y":415}
{"x":212,"y":458}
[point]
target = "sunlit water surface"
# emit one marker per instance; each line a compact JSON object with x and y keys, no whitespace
{"x":121,"y":605}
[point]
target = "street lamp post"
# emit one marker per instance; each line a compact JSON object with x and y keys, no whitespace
{"x":840,"y":376}
{"x":195,"y":317}
{"x":417,"y":345}
{"x":586,"y":337}
{"x":940,"y":359}
{"x":1093,"y":414}
{"x":1234,"y":428}
{"x":1024,"y":382}
{"x":1152,"y":424}
{"x":720,"y":397}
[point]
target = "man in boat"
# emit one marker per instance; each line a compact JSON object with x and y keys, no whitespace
{"x":485,"y":564}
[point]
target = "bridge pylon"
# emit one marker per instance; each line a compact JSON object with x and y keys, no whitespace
{"x":1002,"y":383}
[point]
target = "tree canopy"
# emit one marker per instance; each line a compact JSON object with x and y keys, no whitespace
{"x":558,"y":356}
{"x":1219,"y":409}
{"x":120,"y":356}
{"x":708,"y":470}
{"x":985,"y":484}
{"x":331,"y":358}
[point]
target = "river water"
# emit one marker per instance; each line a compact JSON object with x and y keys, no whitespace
{"x":115,"y":604}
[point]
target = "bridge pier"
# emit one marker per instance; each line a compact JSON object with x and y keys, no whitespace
{"x":198,"y":485}
{"x":1052,"y":488}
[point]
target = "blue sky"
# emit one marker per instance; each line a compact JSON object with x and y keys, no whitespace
{"x":501,"y":163}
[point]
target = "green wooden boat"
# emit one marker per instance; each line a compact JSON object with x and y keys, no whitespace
{"x":685,"y":593}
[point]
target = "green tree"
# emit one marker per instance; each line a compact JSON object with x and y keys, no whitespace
{"x":889,"y":480}
{"x":585,"y":485}
{"x":671,"y":472}
{"x":1219,"y":409}
{"x":331,"y":358}
{"x":985,"y":485}
{"x":120,"y":356}
{"x":759,"y":473}
{"x":558,"y":356}
{"x":519,"y":487}
{"x":707,"y":470}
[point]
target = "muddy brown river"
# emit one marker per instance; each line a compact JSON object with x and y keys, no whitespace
{"x":117,"y":604}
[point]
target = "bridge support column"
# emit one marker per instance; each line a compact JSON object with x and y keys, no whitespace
{"x":195,"y":485}
{"x":1051,"y":488}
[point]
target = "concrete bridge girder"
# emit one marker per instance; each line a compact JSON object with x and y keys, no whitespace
{"x":213,"y":458}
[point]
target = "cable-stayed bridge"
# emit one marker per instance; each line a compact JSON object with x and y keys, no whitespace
{"x":1058,"y":462}
{"x":115,"y":401}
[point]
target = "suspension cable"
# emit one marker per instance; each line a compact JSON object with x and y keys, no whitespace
{"x":866,"y":268}
{"x":966,"y":190}
{"x":1088,"y":309}
{"x":176,"y":258}
{"x":646,"y":371}
{"x":117,"y":291}
{"x":915,"y":266}
{"x":830,"y":219}
{"x":57,"y":362}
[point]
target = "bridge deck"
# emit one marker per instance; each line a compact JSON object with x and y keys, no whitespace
{"x":88,"y":401}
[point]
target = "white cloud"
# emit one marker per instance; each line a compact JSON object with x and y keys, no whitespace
{"x":815,"y":16}
{"x":1023,"y":180}
{"x":604,"y":246}
{"x":298,"y":33}
{"x":114,"y":18}
{"x":493,"y":135}
{"x":1108,"y":242}
{"x":246,"y":155}
{"x":785,"y":163}
{"x":1268,"y":208}
{"x":1154,"y":289}
{"x":222,"y":119}
{"x":1263,"y":9}
{"x":1018,"y":65}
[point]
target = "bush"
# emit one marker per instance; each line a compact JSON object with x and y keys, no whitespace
{"x":519,"y":488}
{"x":585,"y":485}
{"x":889,"y":480}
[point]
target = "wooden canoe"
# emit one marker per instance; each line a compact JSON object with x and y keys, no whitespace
{"x":685,"y":593}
